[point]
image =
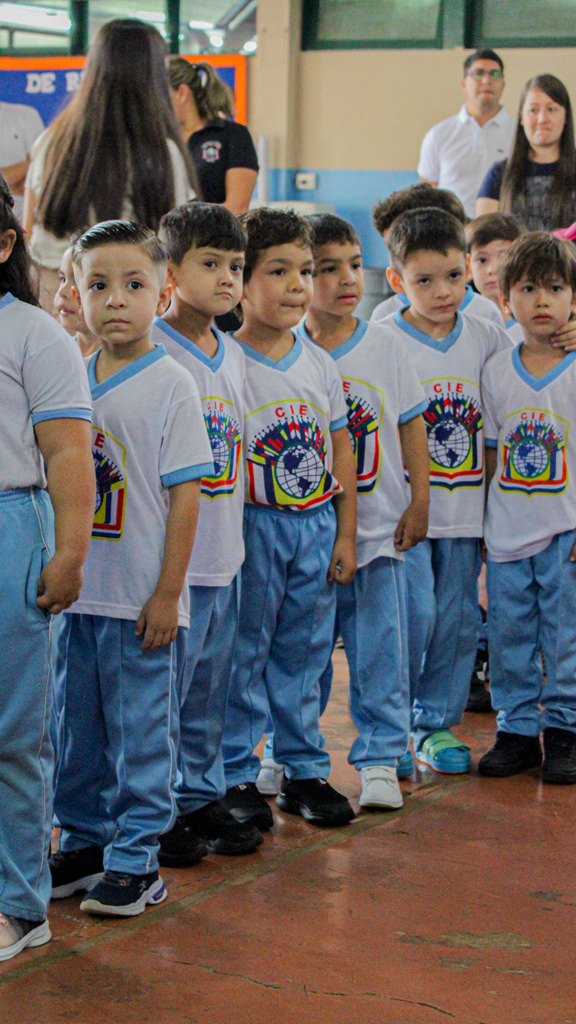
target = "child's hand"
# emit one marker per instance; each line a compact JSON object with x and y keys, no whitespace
{"x":565,"y":337}
{"x":412,"y":527}
{"x":59,"y":583}
{"x":343,"y":562}
{"x":158,"y":621}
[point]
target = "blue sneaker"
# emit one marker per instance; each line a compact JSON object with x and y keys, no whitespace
{"x":405,"y":766}
{"x":123,"y":895}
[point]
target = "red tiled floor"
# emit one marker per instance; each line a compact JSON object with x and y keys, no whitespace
{"x":458,"y":908}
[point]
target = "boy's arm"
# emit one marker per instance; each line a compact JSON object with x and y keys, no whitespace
{"x":413,"y":524}
{"x":158,"y":620}
{"x":65,"y":445}
{"x":343,"y":561}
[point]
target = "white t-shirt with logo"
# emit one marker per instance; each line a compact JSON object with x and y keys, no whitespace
{"x":530,"y":421}
{"x":290,"y":408}
{"x":382,"y":391}
{"x":42,"y":377}
{"x":472,"y":304}
{"x":148,"y":435}
{"x":219,"y":547}
{"x":449,"y":371}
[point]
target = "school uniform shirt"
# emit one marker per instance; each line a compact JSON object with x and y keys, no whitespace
{"x":514,"y":331}
{"x":42,"y":377}
{"x":20,"y":126}
{"x":530,"y":422}
{"x":382,"y":391}
{"x":219,"y":546}
{"x":449,"y":371}
{"x":290,"y":408}
{"x":472,"y":304}
{"x":148,"y":435}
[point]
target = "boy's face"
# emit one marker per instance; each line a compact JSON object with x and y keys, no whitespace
{"x":121,"y":292}
{"x":209,"y":280}
{"x":484,"y":266}
{"x":280,"y":288}
{"x":434,"y":282}
{"x":338,"y":278}
{"x":541,"y":309}
{"x":65,"y":301}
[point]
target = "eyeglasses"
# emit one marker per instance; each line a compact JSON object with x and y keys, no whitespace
{"x":480,"y":73}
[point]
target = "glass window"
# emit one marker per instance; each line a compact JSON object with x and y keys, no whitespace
{"x":217,"y":26}
{"x":523,"y":23}
{"x":339,"y":24}
{"x":33,"y":27}
{"x":101,"y":11}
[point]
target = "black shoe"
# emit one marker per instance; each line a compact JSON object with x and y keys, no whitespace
{"x":120,"y":895}
{"x":180,"y":848}
{"x":221,"y":831}
{"x":559,"y":757}
{"x":245,"y":803}
{"x":316,"y":801}
{"x":75,"y":870}
{"x":479,"y":695}
{"x":512,"y":753}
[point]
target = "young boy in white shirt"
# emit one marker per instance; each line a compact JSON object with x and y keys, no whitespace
{"x":300,"y":532}
{"x":428,"y":253}
{"x":530,"y":533}
{"x":385,"y":400}
{"x":118,"y":727}
{"x":205,"y":244}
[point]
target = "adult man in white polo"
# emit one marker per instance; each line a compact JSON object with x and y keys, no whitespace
{"x":457,"y":152}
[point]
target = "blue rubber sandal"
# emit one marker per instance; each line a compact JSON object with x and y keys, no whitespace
{"x":442,"y":752}
{"x":405,"y":766}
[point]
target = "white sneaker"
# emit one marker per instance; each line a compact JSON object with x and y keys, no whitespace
{"x":380,"y":788}
{"x":270,"y":777}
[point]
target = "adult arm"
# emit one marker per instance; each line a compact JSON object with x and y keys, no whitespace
{"x":240,"y":183}
{"x":65,"y":445}
{"x":429,"y":161}
{"x":241,"y":167}
{"x":15,"y":175}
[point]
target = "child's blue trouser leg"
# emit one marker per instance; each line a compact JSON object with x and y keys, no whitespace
{"x":372,"y":617}
{"x":26,"y":762}
{"x":204,"y":668}
{"x":284,"y":639}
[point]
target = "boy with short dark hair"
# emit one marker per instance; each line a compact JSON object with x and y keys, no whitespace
{"x":116,"y":651}
{"x":385,"y":401}
{"x":417,"y":197}
{"x":428,"y":253}
{"x":300,"y":528}
{"x":205,"y":245}
{"x":530,"y":528}
{"x":488,"y":238}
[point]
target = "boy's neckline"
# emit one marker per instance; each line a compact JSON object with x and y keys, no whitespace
{"x":329,"y":342}
{"x":274,"y":351}
{"x":125,"y":372}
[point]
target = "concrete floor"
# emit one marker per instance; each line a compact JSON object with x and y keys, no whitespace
{"x":460,"y":907}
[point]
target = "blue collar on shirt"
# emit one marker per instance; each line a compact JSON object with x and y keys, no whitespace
{"x":438,"y":344}
{"x":282,"y":364}
{"x":212,"y":362}
{"x":137,"y":366}
{"x":539,"y":383}
{"x":346,"y":346}
{"x":6,"y":300}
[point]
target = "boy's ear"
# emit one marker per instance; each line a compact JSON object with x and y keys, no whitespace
{"x":164,"y":296}
{"x":394,"y":280}
{"x":504,"y":306}
{"x":468,"y":267}
{"x":7,"y":243}
{"x":76,"y":295}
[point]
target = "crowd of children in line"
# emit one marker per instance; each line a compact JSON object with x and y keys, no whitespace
{"x":254,"y":497}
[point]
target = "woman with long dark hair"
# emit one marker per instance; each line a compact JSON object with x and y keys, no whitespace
{"x":114,"y":152}
{"x":538,"y":181}
{"x":222,"y":151}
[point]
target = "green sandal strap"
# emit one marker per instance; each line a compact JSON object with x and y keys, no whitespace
{"x":437,"y":742}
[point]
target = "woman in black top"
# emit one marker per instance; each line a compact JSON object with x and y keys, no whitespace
{"x":537,"y":182}
{"x":222,"y":150}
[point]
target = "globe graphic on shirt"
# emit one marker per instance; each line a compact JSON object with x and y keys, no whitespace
{"x":220,"y":454}
{"x":449,"y":444}
{"x":299,"y":471}
{"x":530,"y":459}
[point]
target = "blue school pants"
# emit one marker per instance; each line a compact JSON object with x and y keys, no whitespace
{"x":532,"y":613}
{"x":117,"y":742}
{"x":285,"y":635}
{"x":442,"y":591}
{"x":372,"y":621}
{"x":26,"y":757}
{"x":204,"y":659}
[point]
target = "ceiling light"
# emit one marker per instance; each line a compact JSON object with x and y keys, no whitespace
{"x":216,"y":40}
{"x":202,"y":25}
{"x":22,"y":16}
